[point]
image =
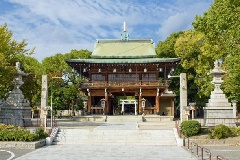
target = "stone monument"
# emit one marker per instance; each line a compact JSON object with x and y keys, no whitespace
{"x":218,"y":110}
{"x":44,"y":97}
{"x":16,"y":110}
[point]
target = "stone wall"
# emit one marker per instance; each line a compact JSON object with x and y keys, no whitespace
{"x":22,"y":145}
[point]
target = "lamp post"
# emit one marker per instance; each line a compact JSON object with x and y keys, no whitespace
{"x":183,"y":94}
{"x":51,"y":107}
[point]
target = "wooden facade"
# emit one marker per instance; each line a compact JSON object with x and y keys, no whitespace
{"x":126,"y":71}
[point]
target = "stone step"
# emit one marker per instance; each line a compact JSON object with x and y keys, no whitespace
{"x":124,"y":118}
{"x":118,"y":143}
{"x":118,"y":137}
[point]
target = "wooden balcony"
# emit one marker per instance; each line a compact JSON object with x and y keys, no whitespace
{"x":143,"y":84}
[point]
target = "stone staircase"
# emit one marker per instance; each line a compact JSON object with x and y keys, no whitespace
{"x":115,"y":134}
{"x":123,"y":118}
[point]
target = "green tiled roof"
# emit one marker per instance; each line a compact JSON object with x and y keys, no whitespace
{"x":142,"y":48}
{"x":123,"y":61}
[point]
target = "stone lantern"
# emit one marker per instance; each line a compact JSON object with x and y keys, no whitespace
{"x":192,"y":105}
{"x":143,"y":105}
{"x":187,"y":111}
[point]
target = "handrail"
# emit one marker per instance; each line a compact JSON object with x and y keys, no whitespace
{"x":178,"y":128}
{"x":221,"y":158}
{"x":205,"y":153}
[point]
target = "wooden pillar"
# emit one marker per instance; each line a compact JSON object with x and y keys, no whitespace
{"x":106,"y":105}
{"x":89,"y":104}
{"x":139,"y":104}
{"x":157,"y":104}
{"x":172,"y":108}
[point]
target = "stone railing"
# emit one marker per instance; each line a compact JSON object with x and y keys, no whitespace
{"x":50,"y":139}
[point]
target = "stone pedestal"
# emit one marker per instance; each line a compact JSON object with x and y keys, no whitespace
{"x":218,"y":110}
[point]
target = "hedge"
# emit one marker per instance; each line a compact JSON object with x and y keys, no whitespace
{"x":11,"y":133}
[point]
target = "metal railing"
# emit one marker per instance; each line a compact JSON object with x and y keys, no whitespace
{"x":200,"y":151}
{"x":178,"y":128}
{"x":221,"y":158}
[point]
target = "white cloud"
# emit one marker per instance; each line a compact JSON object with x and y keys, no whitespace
{"x":182,"y":18}
{"x":57,"y":26}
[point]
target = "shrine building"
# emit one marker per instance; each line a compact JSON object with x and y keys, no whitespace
{"x":124,"y":76}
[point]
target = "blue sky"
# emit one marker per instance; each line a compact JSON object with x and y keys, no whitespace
{"x":58,"y":26}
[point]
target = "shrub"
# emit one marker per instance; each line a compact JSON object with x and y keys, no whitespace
{"x":41,"y":134}
{"x":220,"y":131}
{"x":11,"y":133}
{"x":235,"y":131}
{"x":3,"y":126}
{"x":190,"y":128}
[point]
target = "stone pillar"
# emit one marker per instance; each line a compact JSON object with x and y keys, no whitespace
{"x":234,"y":105}
{"x":135,"y":105}
{"x":122,"y":111}
{"x":44,"y":97}
{"x":183,"y":96}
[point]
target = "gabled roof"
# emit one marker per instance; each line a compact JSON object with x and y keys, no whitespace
{"x":138,"y":48}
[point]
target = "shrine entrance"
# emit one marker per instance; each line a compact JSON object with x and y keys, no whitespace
{"x":128,"y":106}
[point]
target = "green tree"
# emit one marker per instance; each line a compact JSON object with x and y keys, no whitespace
{"x":9,"y":50}
{"x":196,"y":62}
{"x":66,"y":93}
{"x":165,"y":49}
{"x":221,"y":25}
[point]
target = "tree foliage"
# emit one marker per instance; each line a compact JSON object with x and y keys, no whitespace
{"x":10,"y":49}
{"x":221,"y":25}
{"x":165,"y":49}
{"x":215,"y":36}
{"x":65,"y":93}
{"x":189,"y":46}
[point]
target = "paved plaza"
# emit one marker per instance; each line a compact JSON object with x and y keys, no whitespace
{"x":114,"y":151}
{"x":101,"y":152}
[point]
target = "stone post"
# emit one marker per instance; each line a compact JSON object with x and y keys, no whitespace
{"x":44,"y":97}
{"x":183,"y":96}
{"x":234,"y":105}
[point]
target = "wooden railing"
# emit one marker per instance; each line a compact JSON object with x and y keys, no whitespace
{"x":121,"y":84}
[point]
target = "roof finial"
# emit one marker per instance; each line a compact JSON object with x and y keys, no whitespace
{"x":124,"y":26}
{"x":124,"y":35}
